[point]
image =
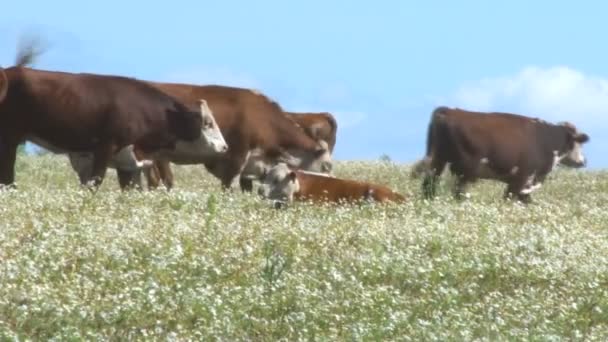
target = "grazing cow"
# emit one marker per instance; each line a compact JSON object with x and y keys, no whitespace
{"x":514,"y":149}
{"x":284,"y":184}
{"x":319,"y":126}
{"x":67,"y":112}
{"x":130,"y":159}
{"x":251,"y":124}
{"x":322,"y":127}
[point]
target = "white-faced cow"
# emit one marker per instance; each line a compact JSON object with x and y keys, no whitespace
{"x":322,"y":127}
{"x":514,"y":149}
{"x":283,"y":184}
{"x":131,"y":159}
{"x":67,"y":112}
{"x":251,"y":123}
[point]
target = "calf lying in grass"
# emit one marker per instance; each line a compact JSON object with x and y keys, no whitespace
{"x":283,"y":184}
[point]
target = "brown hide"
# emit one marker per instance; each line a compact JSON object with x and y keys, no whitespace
{"x":321,"y":188}
{"x":87,"y":113}
{"x":319,"y":126}
{"x":514,"y":149}
{"x":247,"y":119}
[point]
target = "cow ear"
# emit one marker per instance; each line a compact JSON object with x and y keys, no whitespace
{"x":291,"y":176}
{"x":581,"y":138}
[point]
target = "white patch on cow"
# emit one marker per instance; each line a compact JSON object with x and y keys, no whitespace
{"x":514,"y":170}
{"x":530,"y":185}
{"x":125,"y":159}
{"x":317,"y":174}
{"x":210,"y":142}
{"x":277,"y":185}
{"x":576,"y":154}
{"x":528,"y":190}
{"x":304,"y":160}
{"x":484,"y":160}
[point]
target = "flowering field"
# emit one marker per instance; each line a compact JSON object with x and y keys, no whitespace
{"x":200,"y":264}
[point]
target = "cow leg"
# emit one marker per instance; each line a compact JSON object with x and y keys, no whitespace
{"x":152,"y":177}
{"x":8,"y":157}
{"x":431,"y":179}
{"x":246,"y":184}
{"x":101,"y":158}
{"x":515,"y":188}
{"x":128,"y":179}
{"x":165,"y":173}
{"x":460,"y":188}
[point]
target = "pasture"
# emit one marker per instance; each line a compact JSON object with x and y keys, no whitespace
{"x":196,"y":263}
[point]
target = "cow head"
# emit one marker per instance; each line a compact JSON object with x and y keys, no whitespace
{"x":316,"y":160}
{"x":210,"y":140}
{"x":573,"y":155}
{"x":211,"y":131}
{"x":279,"y":183}
{"x":185,"y":124}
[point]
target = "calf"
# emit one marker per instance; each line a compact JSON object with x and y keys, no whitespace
{"x":67,"y":112}
{"x":284,"y":184}
{"x":514,"y":149}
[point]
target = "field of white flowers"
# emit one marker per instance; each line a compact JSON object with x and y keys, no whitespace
{"x":196,"y":263}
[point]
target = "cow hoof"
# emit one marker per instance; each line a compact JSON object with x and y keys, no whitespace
{"x":279,"y":204}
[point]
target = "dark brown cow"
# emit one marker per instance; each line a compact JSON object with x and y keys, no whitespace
{"x":284,"y":184}
{"x":66,"y":112}
{"x":251,"y":123}
{"x":514,"y":149}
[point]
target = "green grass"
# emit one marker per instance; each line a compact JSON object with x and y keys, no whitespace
{"x":200,"y":264}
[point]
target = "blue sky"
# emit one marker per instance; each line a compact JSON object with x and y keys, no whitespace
{"x":380,"y":67}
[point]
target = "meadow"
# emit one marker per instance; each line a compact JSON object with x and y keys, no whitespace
{"x":201,"y":264}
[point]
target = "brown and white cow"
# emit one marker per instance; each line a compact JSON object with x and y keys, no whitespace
{"x":322,"y":127}
{"x":281,"y":183}
{"x":131,"y":159}
{"x":514,"y":149}
{"x":319,"y":126}
{"x":102,"y":114}
{"x":251,"y":123}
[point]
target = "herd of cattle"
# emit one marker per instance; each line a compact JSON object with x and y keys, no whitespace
{"x":240,"y":135}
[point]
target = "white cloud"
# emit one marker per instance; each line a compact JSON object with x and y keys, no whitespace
{"x":555,"y":94}
{"x":220,"y":76}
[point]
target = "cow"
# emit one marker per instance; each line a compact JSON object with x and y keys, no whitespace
{"x":319,"y":126}
{"x":322,"y":127}
{"x":283,"y":184}
{"x":79,"y":112}
{"x":517,"y":150}
{"x":252,"y":124}
{"x":131,"y":159}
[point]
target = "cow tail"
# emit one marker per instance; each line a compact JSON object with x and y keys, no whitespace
{"x":28,"y":51}
{"x":423,"y":165}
